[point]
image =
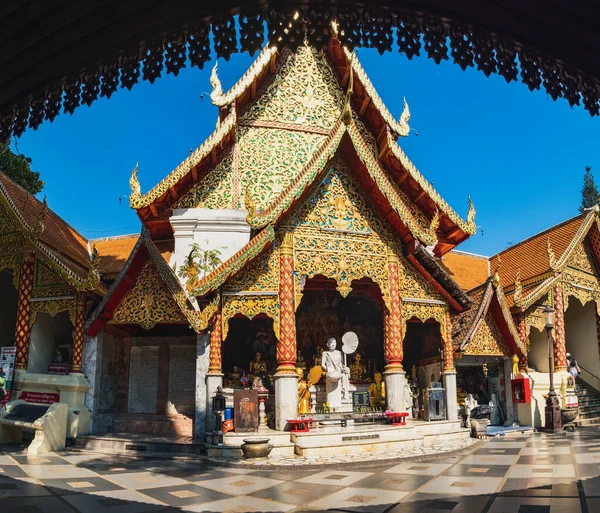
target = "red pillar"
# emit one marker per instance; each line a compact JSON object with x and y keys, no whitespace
{"x":214,"y":365}
{"x":560,"y":345}
{"x":286,"y":346}
{"x":392,"y":319}
{"x":78,"y":334}
{"x":22,"y":328}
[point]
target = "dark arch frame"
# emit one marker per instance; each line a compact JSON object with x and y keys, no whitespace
{"x":60,"y":54}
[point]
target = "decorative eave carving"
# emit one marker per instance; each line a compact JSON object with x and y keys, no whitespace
{"x":400,"y":127}
{"x":262,"y":61}
{"x":138,"y":200}
{"x":469,"y":226}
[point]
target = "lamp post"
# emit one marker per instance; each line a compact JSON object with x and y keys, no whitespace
{"x":553,"y":421}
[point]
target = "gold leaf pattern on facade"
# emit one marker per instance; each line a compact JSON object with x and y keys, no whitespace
{"x":487,"y":340}
{"x":148,"y":302}
{"x":250,"y":306}
{"x":582,"y":259}
{"x":304,"y":91}
{"x":52,"y":307}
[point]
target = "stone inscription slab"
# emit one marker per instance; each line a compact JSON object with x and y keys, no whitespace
{"x":143,"y":379}
{"x":359,"y":437}
{"x":245,"y":410}
{"x":182,"y":379}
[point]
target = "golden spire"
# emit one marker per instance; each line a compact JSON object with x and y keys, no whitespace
{"x":215,"y":82}
{"x":499,"y":264}
{"x":471,"y":217}
{"x":134,"y":185}
{"x":434,"y":225}
{"x":551,"y":256}
{"x":347,"y":112}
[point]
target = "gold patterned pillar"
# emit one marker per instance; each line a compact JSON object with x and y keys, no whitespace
{"x":22,"y":328}
{"x":78,"y":333}
{"x":523,"y":361}
{"x":286,"y":346}
{"x":392,"y":319}
{"x":560,"y":345}
{"x":448,"y":348}
{"x":214,"y":365}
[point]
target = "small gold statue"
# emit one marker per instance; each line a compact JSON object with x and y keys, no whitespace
{"x":234,"y":377}
{"x":257,"y":366}
{"x":358,"y":371}
{"x":515,"y":360}
{"x":304,"y":399}
{"x":377,"y":392}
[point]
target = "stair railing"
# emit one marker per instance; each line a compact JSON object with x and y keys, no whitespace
{"x":595,"y":385}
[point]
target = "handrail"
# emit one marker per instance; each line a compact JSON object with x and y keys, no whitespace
{"x":588,"y":371}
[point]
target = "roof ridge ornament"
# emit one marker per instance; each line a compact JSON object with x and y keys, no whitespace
{"x":518,"y":295}
{"x":405,"y":116}
{"x":471,"y":216}
{"x":39,"y":229}
{"x":551,"y":256}
{"x":134,"y":185}
{"x":347,"y":111}
{"x":217,"y":88}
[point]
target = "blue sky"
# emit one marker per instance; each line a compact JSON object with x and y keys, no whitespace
{"x":520,"y":155}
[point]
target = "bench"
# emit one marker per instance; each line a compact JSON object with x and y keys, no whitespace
{"x":49,"y":422}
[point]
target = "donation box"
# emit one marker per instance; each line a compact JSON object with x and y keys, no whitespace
{"x":521,"y":390}
{"x":245,"y":410}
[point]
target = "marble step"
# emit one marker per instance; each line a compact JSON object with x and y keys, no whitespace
{"x":140,"y":445}
{"x":587,"y":422}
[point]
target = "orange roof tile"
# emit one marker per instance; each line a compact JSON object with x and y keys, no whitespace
{"x":63,"y":239}
{"x":530,"y":257}
{"x":114,"y":252}
{"x":466,"y":269}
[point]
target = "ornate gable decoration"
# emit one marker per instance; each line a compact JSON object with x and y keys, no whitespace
{"x":582,"y":259}
{"x":488,"y":340}
{"x":338,"y":235}
{"x":148,"y":302}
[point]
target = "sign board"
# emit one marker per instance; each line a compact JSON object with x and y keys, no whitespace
{"x":245,"y":410}
{"x":360,"y":402}
{"x":40,"y":397}
{"x":59,"y":369}
{"x":8,"y":356}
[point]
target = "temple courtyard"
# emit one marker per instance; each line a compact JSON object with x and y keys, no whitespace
{"x":536,"y":473}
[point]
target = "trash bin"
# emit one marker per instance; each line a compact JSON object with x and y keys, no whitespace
{"x":229,"y":413}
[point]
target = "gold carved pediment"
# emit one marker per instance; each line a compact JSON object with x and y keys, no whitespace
{"x":488,"y":340}
{"x":149,"y":302}
{"x":582,"y":259}
{"x":250,"y":306}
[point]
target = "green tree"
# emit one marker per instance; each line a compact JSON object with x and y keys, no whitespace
{"x":18,"y":169}
{"x":589,"y":191}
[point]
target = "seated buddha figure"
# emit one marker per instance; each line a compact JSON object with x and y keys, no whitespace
{"x":377,"y":392}
{"x":358,"y":371}
{"x":257,"y":366}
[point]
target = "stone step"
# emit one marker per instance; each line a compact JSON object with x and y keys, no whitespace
{"x":154,"y":424}
{"x":589,"y":414}
{"x":136,"y":445}
{"x":589,"y":407}
{"x":587,"y":422}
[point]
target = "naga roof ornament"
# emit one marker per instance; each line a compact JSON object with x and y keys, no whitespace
{"x":134,"y":185}
{"x":518,"y":295}
{"x":551,"y":257}
{"x":217,"y":88}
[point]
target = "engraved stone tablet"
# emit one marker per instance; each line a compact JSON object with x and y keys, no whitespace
{"x":182,"y":379}
{"x":245,"y":410}
{"x":143,"y":379}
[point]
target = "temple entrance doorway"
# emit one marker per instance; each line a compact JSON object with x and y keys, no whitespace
{"x":8,"y":306}
{"x":324,"y":313}
{"x":581,"y":336}
{"x":250,"y":346}
{"x":484,"y":378}
{"x":422,"y":360}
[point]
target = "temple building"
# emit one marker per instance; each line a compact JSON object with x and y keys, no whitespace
{"x":299,"y":219}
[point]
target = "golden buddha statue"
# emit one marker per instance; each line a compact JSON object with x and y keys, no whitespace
{"x":257,"y":366}
{"x":515,"y":361}
{"x":377,"y":392}
{"x":358,"y":371}
{"x":304,"y":399}
{"x":234,"y":376}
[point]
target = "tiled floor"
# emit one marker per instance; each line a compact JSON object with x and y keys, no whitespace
{"x":522,"y":474}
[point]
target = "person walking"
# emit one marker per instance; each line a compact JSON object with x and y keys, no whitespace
{"x":572,"y":366}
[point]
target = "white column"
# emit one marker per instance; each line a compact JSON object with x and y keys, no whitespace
{"x":202,"y":349}
{"x":449,"y":379}
{"x":286,"y":399}
{"x":395,"y":390}
{"x":510,"y":412}
{"x":92,"y":368}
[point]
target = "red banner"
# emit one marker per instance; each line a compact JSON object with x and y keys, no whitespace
{"x":40,"y":397}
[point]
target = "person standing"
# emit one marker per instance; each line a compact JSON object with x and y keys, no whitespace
{"x":572,"y":366}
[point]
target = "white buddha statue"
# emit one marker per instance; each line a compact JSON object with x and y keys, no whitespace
{"x":336,"y":379}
